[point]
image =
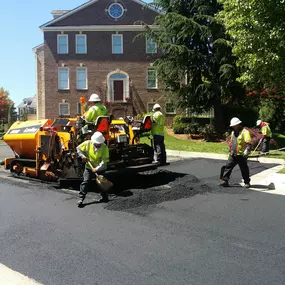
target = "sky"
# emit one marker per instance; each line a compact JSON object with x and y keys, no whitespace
{"x":19,"y":34}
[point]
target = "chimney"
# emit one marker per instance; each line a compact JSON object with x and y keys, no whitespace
{"x":58,"y":13}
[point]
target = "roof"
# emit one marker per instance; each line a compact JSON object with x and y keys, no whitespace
{"x":29,"y":101}
{"x":87,"y":4}
{"x":37,"y":47}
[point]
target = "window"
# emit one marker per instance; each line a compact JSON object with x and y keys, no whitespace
{"x":78,"y":109}
{"x":151,"y":46}
{"x":62,"y":44}
{"x":117,"y":44}
{"x":64,"y":109}
{"x":151,"y":78}
{"x":81,"y":82}
{"x":116,"y":10}
{"x":150,"y":106}
{"x":170,"y":108}
{"x":63,"y":78}
{"x":81,"y":44}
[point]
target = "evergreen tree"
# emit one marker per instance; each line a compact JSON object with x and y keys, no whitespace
{"x":197,"y":64}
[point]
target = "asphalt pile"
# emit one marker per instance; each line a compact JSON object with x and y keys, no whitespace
{"x":144,"y":190}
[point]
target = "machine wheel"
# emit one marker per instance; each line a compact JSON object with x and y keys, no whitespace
{"x":16,"y":167}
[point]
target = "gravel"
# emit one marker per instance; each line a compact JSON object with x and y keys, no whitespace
{"x":141,"y":191}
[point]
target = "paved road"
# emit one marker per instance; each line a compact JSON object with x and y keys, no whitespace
{"x":232,"y":236}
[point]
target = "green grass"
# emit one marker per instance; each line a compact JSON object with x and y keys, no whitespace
{"x":193,"y":146}
{"x":282,"y":171}
{"x":173,"y":143}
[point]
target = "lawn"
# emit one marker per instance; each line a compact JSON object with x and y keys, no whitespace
{"x":193,"y":146}
{"x":174,"y":143}
{"x":281,"y":171}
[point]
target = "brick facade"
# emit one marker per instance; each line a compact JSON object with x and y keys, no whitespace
{"x":99,"y":62}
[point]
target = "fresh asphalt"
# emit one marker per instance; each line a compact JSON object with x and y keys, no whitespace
{"x":222,"y":236}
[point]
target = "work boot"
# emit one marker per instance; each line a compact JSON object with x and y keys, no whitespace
{"x":224,"y":183}
{"x":80,"y":202}
{"x":104,"y":199}
{"x":246,"y":185}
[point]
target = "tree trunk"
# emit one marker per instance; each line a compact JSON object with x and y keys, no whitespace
{"x":218,"y":116}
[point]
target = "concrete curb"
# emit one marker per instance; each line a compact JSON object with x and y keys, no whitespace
{"x":188,"y":154}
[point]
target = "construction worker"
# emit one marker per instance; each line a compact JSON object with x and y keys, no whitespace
{"x":97,"y":109}
{"x":266,"y":135}
{"x":240,"y":148}
{"x":158,"y":121}
{"x":95,"y":154}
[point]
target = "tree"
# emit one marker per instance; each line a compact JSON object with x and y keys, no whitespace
{"x":197,"y":64}
{"x":257,"y":28}
{"x":5,"y":103}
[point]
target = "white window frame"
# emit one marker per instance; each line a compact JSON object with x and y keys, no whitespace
{"x":67,"y":49}
{"x":86,"y":78}
{"x":156,"y":80}
{"x":81,"y":35}
{"x":170,"y":113}
{"x":60,"y":68}
{"x":146,"y":46}
{"x":121,"y":36}
{"x":68,"y":114}
{"x":150,"y":109}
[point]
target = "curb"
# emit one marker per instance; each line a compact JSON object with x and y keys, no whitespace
{"x":187,"y":154}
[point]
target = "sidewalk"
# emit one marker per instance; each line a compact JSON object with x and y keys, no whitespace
{"x":186,"y":154}
{"x":268,"y":181}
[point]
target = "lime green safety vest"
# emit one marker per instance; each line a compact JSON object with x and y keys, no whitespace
{"x":94,"y":112}
{"x":102,"y":154}
{"x":265,"y":130}
{"x":158,"y":123}
{"x":243,"y":139}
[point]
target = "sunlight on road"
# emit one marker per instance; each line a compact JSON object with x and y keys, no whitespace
{"x":10,"y":277}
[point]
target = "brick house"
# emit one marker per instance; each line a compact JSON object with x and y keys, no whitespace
{"x":94,"y":49}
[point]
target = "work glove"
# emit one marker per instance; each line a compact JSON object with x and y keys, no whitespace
{"x":246,"y":153}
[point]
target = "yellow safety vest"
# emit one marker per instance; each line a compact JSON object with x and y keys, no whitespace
{"x":95,"y":157}
{"x":266,"y":131}
{"x":94,"y":112}
{"x":243,"y":139}
{"x":158,"y":123}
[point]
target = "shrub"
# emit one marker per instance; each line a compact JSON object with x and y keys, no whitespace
{"x":179,"y":128}
{"x":273,"y":112}
{"x":210,"y":133}
{"x":192,"y":128}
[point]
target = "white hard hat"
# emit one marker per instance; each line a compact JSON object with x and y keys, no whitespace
{"x":258,"y":122}
{"x":121,"y":118}
{"x":156,"y":106}
{"x":97,"y":138}
{"x":94,"y":98}
{"x":235,"y":121}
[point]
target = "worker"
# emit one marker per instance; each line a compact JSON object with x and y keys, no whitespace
{"x":240,"y":147}
{"x":158,"y":121}
{"x":97,"y":109}
{"x":266,"y":136}
{"x":95,"y":154}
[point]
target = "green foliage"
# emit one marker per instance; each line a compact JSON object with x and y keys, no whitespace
{"x":257,"y":29}
{"x":210,"y":133}
{"x":197,"y":63}
{"x":248,"y":115}
{"x":179,"y":128}
{"x":273,"y":112}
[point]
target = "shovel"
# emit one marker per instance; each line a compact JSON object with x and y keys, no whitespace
{"x":102,"y":182}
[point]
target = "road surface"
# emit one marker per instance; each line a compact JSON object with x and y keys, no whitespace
{"x":209,"y":236}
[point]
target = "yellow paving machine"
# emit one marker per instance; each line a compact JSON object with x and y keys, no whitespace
{"x":46,"y":149}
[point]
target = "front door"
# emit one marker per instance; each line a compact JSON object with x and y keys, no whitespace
{"x":118,"y":90}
